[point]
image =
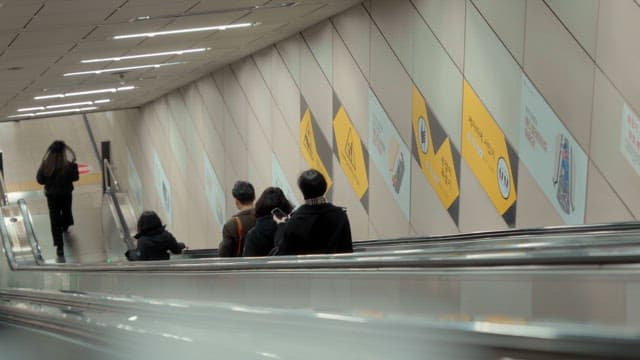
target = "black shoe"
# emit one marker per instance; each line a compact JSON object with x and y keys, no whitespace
{"x":60,"y":255}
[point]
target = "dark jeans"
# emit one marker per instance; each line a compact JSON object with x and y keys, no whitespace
{"x":60,"y":215}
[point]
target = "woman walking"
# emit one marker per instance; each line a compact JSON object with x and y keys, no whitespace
{"x":57,"y":173}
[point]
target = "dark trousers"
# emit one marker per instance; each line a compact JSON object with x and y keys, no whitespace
{"x":60,"y":215}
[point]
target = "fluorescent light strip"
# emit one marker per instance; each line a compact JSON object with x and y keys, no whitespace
{"x":129,"y":57}
{"x":89,"y":92}
{"x":105,"y":71}
{"x":31,"y":108}
{"x":55,"y":112}
{"x":101,"y":101}
{"x":182,"y":31}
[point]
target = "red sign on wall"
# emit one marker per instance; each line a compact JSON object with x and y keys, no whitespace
{"x":84,"y":169}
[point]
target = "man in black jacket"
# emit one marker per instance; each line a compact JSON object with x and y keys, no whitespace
{"x":317,"y":226}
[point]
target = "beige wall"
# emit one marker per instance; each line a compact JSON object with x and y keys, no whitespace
{"x":582,"y":59}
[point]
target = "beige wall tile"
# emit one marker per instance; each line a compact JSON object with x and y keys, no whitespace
{"x":560,"y":69}
{"x":395,"y":19}
{"x":428,"y":215}
{"x":256,"y":92}
{"x":290,"y":50}
{"x":533,"y":207}
{"x":351,"y":87}
{"x":354,"y":27}
{"x":446,"y":18}
{"x":506,"y":17}
{"x":438,"y":79}
{"x":317,"y":92}
{"x":618,"y":50}
{"x":391,"y":84}
{"x":493,"y":74}
{"x":603,"y":204}
{"x":477,"y":213}
{"x":343,"y":195}
{"x":581,"y":18}
{"x":384,"y":210}
{"x":605,"y":144}
{"x":319,"y":38}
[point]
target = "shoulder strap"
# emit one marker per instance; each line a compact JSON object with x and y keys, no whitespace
{"x":240,"y":236}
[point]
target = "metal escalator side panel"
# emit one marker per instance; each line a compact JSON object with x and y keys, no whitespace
{"x":27,"y":221}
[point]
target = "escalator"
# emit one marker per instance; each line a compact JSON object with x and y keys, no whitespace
{"x":557,"y":293}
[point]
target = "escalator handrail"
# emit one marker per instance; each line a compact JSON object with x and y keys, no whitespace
{"x":4,"y":199}
{"x":436,"y":240}
{"x":601,"y":254}
{"x":112,"y":191}
{"x":31,"y":234}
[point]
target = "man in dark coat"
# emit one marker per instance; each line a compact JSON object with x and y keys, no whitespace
{"x":317,"y":226}
{"x":236,"y":228}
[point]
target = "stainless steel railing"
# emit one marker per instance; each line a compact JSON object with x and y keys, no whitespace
{"x":112,"y":187}
{"x":4,"y":199}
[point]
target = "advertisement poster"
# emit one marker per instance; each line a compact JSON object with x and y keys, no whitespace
{"x":438,"y":159}
{"x":309,"y":147}
{"x":351,"y":155}
{"x":630,"y":137}
{"x":280,"y":180}
{"x":163,"y":187}
{"x":389,"y":154}
{"x":489,"y":155}
{"x":552,"y":155}
{"x":215,"y":192}
{"x":135,"y":185}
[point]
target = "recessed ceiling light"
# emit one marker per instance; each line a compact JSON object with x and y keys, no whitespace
{"x":89,"y":108}
{"x":88,"y":92}
{"x":106,"y":71}
{"x":181,"y":31}
{"x":101,"y":101}
{"x":164,"y":53}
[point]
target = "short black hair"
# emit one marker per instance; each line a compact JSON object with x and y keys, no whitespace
{"x":312,"y":184}
{"x":271,"y":198}
{"x":149,"y":221}
{"x":243,"y":192}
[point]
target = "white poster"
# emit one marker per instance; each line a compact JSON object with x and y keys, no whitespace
{"x":630,"y":137}
{"x":135,"y":185}
{"x":163,"y":187}
{"x":215,"y":192}
{"x":280,"y":180}
{"x":552,"y":155}
{"x":389,"y":154}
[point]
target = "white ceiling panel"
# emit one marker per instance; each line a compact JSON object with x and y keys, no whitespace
{"x":55,"y":35}
{"x":217,"y":5}
{"x":133,"y":10}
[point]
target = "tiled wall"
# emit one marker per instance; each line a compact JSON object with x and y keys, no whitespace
{"x":244,"y":119}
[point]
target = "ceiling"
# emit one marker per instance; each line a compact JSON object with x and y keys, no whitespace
{"x":41,"y":40}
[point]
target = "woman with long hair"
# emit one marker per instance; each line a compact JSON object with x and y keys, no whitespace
{"x":57,"y":173}
{"x":259,"y":240}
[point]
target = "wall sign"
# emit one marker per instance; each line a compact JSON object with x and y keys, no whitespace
{"x":630,"y":137}
{"x":552,"y":155}
{"x":438,"y":159}
{"x":350,"y":153}
{"x":309,"y":148}
{"x":389,"y":154}
{"x":489,"y":155}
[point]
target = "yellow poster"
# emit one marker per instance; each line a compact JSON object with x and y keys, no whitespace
{"x":309,"y":148}
{"x":485,"y":149}
{"x":437,"y":164}
{"x":350,"y":153}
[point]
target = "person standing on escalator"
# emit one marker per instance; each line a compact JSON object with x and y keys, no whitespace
{"x":234,"y":229}
{"x":57,"y":173}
